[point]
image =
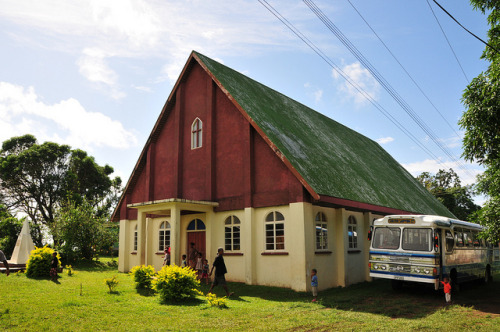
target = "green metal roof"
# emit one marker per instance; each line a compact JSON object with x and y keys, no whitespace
{"x":334,"y":160}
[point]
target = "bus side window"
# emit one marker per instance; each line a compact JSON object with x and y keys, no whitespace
{"x":458,"y":238}
{"x":450,"y":242}
{"x":475,"y":239}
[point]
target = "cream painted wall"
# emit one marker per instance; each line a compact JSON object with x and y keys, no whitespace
{"x":288,"y":268}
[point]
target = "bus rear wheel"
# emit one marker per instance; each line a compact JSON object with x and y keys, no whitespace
{"x":487,"y":275}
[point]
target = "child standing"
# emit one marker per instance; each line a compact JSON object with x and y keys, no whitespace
{"x":184,"y":263}
{"x":447,"y":290}
{"x":199,"y":265}
{"x":204,"y":272}
{"x":314,"y":284}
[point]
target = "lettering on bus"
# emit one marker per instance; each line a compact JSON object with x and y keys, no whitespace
{"x":401,"y":221}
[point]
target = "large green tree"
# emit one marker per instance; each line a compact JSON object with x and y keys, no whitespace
{"x":481,"y":122}
{"x":38,"y":179}
{"x":447,"y":188}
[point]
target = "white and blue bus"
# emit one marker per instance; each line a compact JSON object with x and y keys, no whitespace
{"x":425,"y":249}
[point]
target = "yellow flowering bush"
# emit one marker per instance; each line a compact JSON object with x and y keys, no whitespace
{"x":143,"y":276}
{"x":112,"y":283}
{"x":39,"y":262}
{"x":215,"y":301}
{"x":175,"y":283}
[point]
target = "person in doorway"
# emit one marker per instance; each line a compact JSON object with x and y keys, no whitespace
{"x":184,"y":263}
{"x":314,"y":284}
{"x":3,"y":259}
{"x":193,"y":255}
{"x":220,"y":271}
{"x":204,"y":272}
{"x":447,"y":290}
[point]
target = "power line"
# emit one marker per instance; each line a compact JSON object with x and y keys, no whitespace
{"x":454,"y":19}
{"x":449,"y":44}
{"x":404,"y":69}
{"x":332,"y":64}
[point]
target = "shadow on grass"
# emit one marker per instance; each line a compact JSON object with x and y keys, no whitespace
{"x":378,"y":297}
{"x":93,"y":265}
{"x":186,"y":302}
{"x":145,"y":292}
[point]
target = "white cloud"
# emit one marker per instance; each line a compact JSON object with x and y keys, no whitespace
{"x":100,"y":31}
{"x":22,"y":112}
{"x":384,"y":140}
{"x":362,"y":78}
{"x":467,"y":176}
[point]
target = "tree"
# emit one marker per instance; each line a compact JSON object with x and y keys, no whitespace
{"x":37,"y":179}
{"x":82,"y":232}
{"x":446,"y":187}
{"x":10,"y":228}
{"x":481,"y":122}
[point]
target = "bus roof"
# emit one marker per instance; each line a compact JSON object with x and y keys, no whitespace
{"x":426,"y":220}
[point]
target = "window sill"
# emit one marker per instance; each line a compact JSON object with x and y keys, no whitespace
{"x":133,"y":253}
{"x":325,"y":252}
{"x":160,"y":253}
{"x":233,"y":253}
{"x":274,"y":253}
{"x":355,"y":251}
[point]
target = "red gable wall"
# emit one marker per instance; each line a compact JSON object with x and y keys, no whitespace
{"x":235,"y":166}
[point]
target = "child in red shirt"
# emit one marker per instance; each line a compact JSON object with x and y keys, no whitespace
{"x":447,"y":290}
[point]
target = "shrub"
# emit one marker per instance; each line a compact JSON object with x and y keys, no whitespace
{"x":39,"y":262}
{"x":112,"y":283}
{"x":69,"y":270}
{"x":215,"y":301}
{"x":143,"y":276}
{"x":175,"y":283}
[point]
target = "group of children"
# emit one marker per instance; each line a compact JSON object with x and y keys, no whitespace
{"x":201,"y":267}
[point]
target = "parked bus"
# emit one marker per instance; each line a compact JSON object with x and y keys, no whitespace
{"x":425,"y":249}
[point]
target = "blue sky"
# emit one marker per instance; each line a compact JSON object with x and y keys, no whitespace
{"x":95,"y":74}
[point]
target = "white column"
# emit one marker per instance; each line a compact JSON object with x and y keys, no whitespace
{"x":124,"y":249}
{"x":247,"y":243}
{"x":340,"y":246}
{"x":141,"y":237}
{"x":175,"y":235}
{"x":367,"y":217}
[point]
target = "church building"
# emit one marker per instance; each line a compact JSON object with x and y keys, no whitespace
{"x":283,"y":189}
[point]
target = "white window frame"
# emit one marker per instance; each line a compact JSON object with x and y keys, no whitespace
{"x":164,"y":235}
{"x":196,"y":134}
{"x":274,"y":233}
{"x":352,"y":227}
{"x":232,"y":233}
{"x":321,"y":231}
{"x":135,"y":239}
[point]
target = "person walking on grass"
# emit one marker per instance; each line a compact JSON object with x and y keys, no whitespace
{"x":3,"y":259}
{"x":220,"y":271}
{"x":54,"y":265}
{"x":314,"y":284}
{"x":447,"y":290}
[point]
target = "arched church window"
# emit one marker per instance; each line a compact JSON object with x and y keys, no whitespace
{"x":352,"y":232}
{"x":196,"y":134}
{"x":275,"y":231}
{"x":232,"y":233}
{"x":321,"y":231}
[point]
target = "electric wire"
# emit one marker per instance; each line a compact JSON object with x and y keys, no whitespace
{"x":454,"y":19}
{"x":404,"y":69}
{"x":365,"y":94}
{"x":404,"y":105}
{"x":448,"y":41}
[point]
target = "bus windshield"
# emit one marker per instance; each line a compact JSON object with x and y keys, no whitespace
{"x":418,"y":239}
{"x":386,"y":237}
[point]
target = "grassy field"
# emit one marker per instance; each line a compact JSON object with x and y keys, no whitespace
{"x":82,"y":302}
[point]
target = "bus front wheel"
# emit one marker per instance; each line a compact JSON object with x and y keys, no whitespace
{"x":397,"y":285}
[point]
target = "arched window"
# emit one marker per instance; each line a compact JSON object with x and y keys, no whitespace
{"x":321,"y":231}
{"x":135,"y":238}
{"x":232,"y":233}
{"x":275,"y":231}
{"x":164,"y":236}
{"x":352,"y":232}
{"x":196,"y":225}
{"x":196,"y":134}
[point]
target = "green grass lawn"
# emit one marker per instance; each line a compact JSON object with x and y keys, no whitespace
{"x":82,"y":302}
